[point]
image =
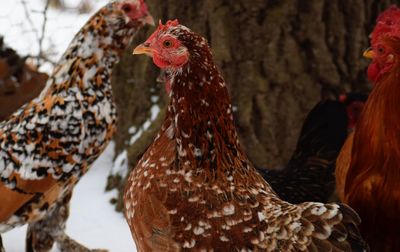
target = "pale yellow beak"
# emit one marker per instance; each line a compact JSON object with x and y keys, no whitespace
{"x":149,"y":20}
{"x":143,"y":49}
{"x":369,"y":54}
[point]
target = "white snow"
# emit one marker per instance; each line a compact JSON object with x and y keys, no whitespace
{"x":93,"y":220}
{"x":120,"y":165}
{"x":154,"y":111}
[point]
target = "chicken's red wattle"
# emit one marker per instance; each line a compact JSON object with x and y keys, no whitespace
{"x":168,"y":86}
{"x":373,"y":72}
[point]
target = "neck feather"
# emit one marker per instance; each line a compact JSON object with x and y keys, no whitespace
{"x":376,"y":144}
{"x":89,"y":60}
{"x":201,"y":112}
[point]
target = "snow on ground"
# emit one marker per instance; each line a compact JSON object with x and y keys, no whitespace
{"x":93,"y":220}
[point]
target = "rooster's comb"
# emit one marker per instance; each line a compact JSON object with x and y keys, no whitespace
{"x":170,"y":23}
{"x":387,"y":23}
{"x":161,"y":28}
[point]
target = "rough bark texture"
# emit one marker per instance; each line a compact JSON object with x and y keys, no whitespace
{"x":279,"y":57}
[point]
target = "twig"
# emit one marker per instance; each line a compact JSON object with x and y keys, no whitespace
{"x":46,"y":7}
{"x":28,"y":17}
{"x":45,"y":58}
{"x":39,"y":37}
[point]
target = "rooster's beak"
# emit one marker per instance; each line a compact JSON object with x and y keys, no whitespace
{"x":369,"y":54}
{"x":149,"y":20}
{"x":143,"y":49}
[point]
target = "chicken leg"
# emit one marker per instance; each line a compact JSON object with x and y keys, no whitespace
{"x":42,"y":234}
{"x":1,"y":245}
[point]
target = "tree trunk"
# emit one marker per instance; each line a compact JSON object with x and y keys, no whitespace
{"x":279,"y":59}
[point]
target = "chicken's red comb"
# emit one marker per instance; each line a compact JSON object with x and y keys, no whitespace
{"x":143,"y":6}
{"x":170,"y":23}
{"x":161,"y":27}
{"x":387,"y":23}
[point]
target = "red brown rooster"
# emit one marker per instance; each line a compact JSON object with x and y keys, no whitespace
{"x":195,"y":189}
{"x":47,"y":145}
{"x":367,"y":170}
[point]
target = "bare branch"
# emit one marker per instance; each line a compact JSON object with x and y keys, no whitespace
{"x":29,"y":19}
{"x":46,"y":7}
{"x":43,"y":57}
{"x":40,"y":36}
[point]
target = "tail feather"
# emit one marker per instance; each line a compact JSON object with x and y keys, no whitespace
{"x":352,"y":220}
{"x":335,"y":227}
{"x":309,"y":174}
{"x":324,"y":129}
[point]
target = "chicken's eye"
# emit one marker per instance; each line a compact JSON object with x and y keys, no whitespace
{"x":381,"y":50}
{"x":126,"y":8}
{"x":167,"y":43}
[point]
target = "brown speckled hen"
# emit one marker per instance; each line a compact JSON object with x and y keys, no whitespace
{"x":51,"y":142}
{"x":195,"y":189}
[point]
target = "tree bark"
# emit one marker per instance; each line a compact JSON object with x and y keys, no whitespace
{"x":279,"y":59}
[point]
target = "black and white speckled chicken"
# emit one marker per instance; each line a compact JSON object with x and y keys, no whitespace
{"x":47,"y":145}
{"x":309,"y":175}
{"x":194,"y":189}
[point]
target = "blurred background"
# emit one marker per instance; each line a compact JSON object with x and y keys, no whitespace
{"x":279,"y":58}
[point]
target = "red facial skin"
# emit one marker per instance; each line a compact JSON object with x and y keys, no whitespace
{"x":385,"y":32}
{"x":381,"y":63}
{"x":167,"y":51}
